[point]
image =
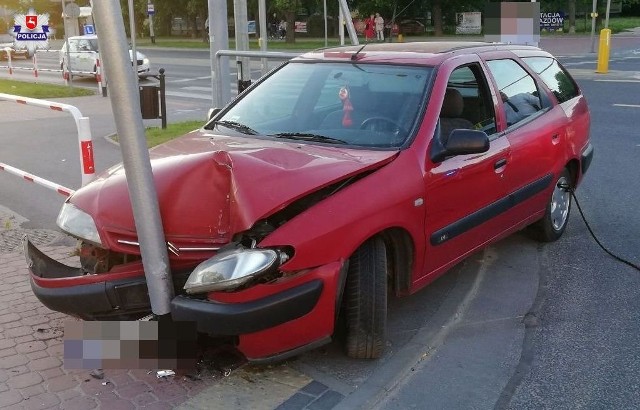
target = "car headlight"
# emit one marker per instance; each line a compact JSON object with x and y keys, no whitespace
{"x":145,"y":61}
{"x":231,"y":269}
{"x":78,"y":223}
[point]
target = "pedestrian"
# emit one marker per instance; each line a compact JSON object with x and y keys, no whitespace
{"x":283,"y":29}
{"x":379,"y":25}
{"x":273,"y":27}
{"x":369,"y":28}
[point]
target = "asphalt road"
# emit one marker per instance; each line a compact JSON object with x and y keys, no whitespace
{"x":520,"y":326}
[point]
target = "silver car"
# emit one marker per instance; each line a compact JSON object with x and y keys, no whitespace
{"x":83,"y":54}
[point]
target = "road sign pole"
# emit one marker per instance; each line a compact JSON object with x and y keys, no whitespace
{"x":132,"y":30}
{"x":219,"y":40}
{"x":150,"y":12}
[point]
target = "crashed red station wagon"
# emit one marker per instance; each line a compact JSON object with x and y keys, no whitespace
{"x":343,"y":176}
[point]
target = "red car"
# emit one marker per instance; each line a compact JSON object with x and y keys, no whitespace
{"x":345,"y":176}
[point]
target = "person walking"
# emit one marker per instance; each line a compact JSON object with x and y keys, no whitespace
{"x":369,"y":28}
{"x":379,"y":25}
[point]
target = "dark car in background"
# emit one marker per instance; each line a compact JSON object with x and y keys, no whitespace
{"x":412,"y":27}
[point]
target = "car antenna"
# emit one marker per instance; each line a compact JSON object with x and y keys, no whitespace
{"x":355,"y":55}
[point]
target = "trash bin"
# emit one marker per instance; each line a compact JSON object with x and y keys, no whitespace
{"x":149,"y":101}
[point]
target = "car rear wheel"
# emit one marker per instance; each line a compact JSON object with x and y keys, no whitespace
{"x":366,"y":301}
{"x":552,"y":225}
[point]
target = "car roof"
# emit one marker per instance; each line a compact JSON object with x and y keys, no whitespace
{"x":86,"y":36}
{"x":428,"y":53}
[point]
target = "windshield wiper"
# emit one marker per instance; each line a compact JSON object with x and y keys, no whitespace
{"x":308,"y":137}
{"x":237,"y":126}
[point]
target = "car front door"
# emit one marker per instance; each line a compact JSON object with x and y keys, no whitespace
{"x":465,"y":194}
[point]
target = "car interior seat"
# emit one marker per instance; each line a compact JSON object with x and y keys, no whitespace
{"x":451,"y":114}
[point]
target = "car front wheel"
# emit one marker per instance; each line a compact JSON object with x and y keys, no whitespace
{"x":552,"y":225}
{"x":366,"y":301}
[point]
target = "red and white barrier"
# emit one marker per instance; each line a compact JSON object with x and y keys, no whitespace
{"x":98,"y":75}
{"x":40,"y":181}
{"x":8,"y":51}
{"x":85,"y":143}
{"x":35,"y":67}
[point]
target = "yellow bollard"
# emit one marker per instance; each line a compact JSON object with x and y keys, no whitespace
{"x":400,"y":38}
{"x":603,"y":51}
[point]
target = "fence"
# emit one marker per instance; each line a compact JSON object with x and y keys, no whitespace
{"x":66,"y":72}
{"x":223,"y":91}
{"x":85,"y":143}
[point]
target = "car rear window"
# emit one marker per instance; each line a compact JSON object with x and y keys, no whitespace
{"x":554,"y":76}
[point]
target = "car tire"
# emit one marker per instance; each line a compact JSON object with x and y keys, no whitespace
{"x":366,"y":301}
{"x":552,"y":225}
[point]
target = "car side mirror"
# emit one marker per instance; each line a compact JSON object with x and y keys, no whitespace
{"x":460,"y":142}
{"x":212,"y":113}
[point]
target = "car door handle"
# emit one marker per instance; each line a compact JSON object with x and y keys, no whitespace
{"x":500,"y":163}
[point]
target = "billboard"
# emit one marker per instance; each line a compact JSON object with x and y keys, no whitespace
{"x":552,"y":21}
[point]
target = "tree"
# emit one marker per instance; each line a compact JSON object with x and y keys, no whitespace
{"x":289,"y":8}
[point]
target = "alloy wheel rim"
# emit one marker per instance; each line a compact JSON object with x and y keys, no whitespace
{"x":560,"y":201}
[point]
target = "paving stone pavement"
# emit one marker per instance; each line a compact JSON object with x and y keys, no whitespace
{"x":31,"y":353}
{"x":32,"y":375}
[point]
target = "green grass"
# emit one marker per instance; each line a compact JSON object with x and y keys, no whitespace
{"x":616,"y":24}
{"x":157,"y":135}
{"x":301,"y":44}
{"x":33,"y":90}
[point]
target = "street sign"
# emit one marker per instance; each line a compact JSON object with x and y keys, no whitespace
{"x":89,"y":29}
{"x":72,"y":11}
{"x":151,"y":10}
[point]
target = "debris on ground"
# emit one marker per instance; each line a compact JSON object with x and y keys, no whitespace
{"x":97,"y":374}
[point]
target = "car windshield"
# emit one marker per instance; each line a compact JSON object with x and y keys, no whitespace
{"x":370,"y":105}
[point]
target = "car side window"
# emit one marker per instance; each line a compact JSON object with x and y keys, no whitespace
{"x":518,"y":91}
{"x":83,"y":45}
{"x":467,"y":102}
{"x":73,"y":45}
{"x":554,"y":76}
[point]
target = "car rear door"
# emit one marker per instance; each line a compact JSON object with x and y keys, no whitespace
{"x":536,"y":133}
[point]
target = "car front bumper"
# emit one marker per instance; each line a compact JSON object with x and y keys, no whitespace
{"x":271,"y":321}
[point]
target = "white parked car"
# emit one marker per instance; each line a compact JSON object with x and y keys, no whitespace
{"x":83,"y":54}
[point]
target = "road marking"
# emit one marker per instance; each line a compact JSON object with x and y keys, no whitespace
{"x":195,"y":88}
{"x":196,"y":95}
{"x":579,"y":63}
{"x":188,"y":95}
{"x":627,"y":105}
{"x":184,"y":80}
{"x":618,"y":81}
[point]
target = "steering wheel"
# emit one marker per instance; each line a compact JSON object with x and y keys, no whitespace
{"x":384,"y":125}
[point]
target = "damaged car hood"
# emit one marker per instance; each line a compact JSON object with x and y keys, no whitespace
{"x":212,"y":186}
